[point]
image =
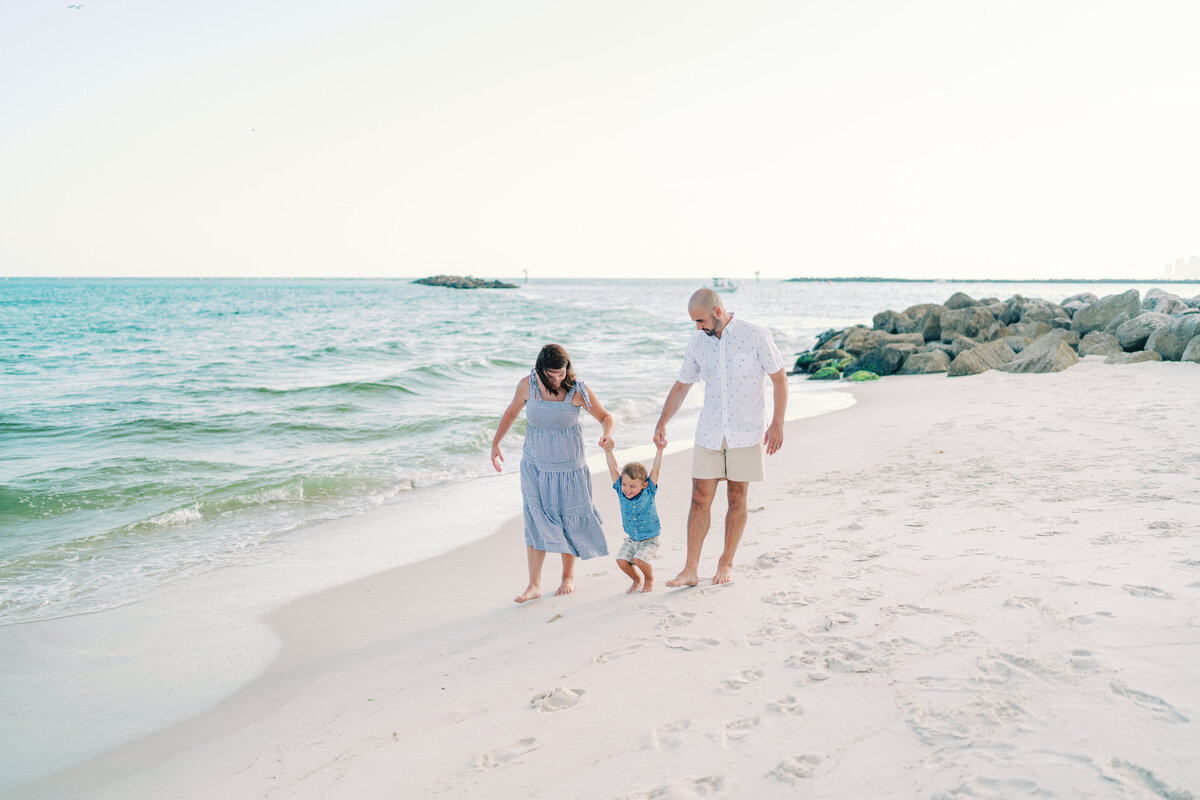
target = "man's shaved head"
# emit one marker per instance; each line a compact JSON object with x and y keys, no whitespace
{"x":705,"y":300}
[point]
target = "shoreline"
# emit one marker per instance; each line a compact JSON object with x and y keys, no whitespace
{"x":207,"y":636}
{"x":998,"y":596}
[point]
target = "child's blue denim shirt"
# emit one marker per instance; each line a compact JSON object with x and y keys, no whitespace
{"x":639,"y":517}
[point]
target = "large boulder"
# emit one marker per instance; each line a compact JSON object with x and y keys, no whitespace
{"x":1170,"y":341}
{"x":1190,"y":353}
{"x":1194,"y":302}
{"x":1034,"y":329}
{"x":1087,"y":298}
{"x":1167,"y":343}
{"x":1133,"y":358}
{"x":974,"y":322}
{"x":890,"y":322}
{"x":1049,"y":353}
{"x":960,"y":344}
{"x":1118,"y":321}
{"x":915,"y":339}
{"x":1041,"y":311}
{"x":1096,"y":316}
{"x":884,"y":360}
{"x":960,"y":300}
{"x":1012,"y":309}
{"x":1073,"y":306}
{"x":1163,"y":302}
{"x":925,"y":363}
{"x":859,"y":339}
{"x":982,"y":358}
{"x":1134,"y":333}
{"x":1098,"y":343}
{"x":1018,"y":343}
{"x":918,"y":311}
{"x":930,"y":323}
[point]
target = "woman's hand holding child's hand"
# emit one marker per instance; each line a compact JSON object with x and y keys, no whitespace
{"x":607,"y":443}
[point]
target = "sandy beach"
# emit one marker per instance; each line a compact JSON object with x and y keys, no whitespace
{"x":973,"y":587}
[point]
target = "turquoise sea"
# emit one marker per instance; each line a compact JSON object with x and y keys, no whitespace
{"x":152,"y":430}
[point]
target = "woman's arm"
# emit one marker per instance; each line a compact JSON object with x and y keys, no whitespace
{"x":520,"y":398}
{"x":602,"y":416}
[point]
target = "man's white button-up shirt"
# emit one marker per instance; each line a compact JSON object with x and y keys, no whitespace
{"x":733,"y":368}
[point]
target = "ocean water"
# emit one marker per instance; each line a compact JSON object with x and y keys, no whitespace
{"x":152,"y":430}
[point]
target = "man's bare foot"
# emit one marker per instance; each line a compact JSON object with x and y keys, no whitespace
{"x":649,"y":587}
{"x":531,"y":593}
{"x":633,"y":587}
{"x":685,"y":578}
{"x":568,"y":586}
{"x":724,"y":574}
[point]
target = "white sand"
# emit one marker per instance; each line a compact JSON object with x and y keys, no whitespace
{"x":973,"y":587}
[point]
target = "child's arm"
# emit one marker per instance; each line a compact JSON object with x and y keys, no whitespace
{"x":657,"y":463}
{"x":614,"y":471}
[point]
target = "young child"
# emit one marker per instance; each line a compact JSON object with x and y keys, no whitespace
{"x":635,"y":492}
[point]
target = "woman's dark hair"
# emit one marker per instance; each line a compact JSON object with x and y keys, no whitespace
{"x":552,"y":356}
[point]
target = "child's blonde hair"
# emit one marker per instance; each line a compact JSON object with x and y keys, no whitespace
{"x":635,"y":470}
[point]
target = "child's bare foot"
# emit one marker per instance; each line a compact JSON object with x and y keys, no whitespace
{"x":568,"y":586}
{"x":633,"y":587}
{"x":686,"y":578}
{"x":532,"y":592}
{"x":649,"y":587}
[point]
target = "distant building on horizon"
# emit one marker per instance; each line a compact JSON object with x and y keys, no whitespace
{"x":1184,"y":269}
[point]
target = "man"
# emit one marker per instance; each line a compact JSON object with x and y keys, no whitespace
{"x":731,"y":356}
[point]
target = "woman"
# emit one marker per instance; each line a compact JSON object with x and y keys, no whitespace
{"x":556,"y":484}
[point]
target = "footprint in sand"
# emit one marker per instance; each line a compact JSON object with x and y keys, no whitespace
{"x":1148,"y":591}
{"x":682,"y":787}
{"x":1088,"y":619}
{"x":735,"y":683}
{"x":1082,"y":661}
{"x":505,"y":755}
{"x":795,"y":768}
{"x":771,"y":630}
{"x":788,"y":704}
{"x":738,"y":729}
{"x":1148,"y":702}
{"x":618,"y":653}
{"x":667,"y":737}
{"x":681,"y":643}
{"x":676,"y":620}
{"x":862,"y":598}
{"x":837,"y":618}
{"x":557,"y":699}
{"x":783,"y":598}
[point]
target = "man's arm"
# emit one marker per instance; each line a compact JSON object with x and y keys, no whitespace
{"x":774,"y":438}
{"x":657,"y":464}
{"x":670,"y":406}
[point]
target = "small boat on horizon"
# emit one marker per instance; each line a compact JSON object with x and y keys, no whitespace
{"x":724,"y":285}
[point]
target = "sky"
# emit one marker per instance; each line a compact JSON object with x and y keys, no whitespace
{"x":627,"y":138}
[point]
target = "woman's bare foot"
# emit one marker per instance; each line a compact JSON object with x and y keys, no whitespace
{"x":649,"y":587}
{"x":724,"y":574}
{"x":633,"y":587}
{"x":532,"y":592}
{"x":686,"y":578}
{"x":568,"y":586}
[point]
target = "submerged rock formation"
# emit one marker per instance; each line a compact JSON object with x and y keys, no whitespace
{"x":463,"y":282}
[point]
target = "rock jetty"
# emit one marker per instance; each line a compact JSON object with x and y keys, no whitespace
{"x":463,"y":282}
{"x":965,"y":336}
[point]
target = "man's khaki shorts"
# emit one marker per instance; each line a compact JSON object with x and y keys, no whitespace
{"x":730,"y":463}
